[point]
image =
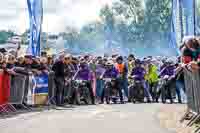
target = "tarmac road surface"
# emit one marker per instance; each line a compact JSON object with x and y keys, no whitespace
{"x":121,"y":118}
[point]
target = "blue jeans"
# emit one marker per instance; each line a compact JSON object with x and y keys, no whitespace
{"x":99,"y":87}
{"x":180,"y":89}
{"x":146,"y":90}
{"x":124,"y":86}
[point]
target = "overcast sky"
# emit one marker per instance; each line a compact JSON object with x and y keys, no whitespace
{"x":57,"y":14}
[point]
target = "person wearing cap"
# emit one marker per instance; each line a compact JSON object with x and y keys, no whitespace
{"x":112,"y":72}
{"x":59,"y":69}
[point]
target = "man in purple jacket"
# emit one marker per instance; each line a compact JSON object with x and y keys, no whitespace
{"x":84,"y":73}
{"x":138,"y":72}
{"x":112,"y":72}
{"x":168,"y":69}
{"x":139,"y":75}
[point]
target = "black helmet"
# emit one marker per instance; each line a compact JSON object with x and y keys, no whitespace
{"x":119,"y":58}
{"x":131,"y":56}
{"x":137,"y":61}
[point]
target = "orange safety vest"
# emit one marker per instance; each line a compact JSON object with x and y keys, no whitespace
{"x":120,"y":67}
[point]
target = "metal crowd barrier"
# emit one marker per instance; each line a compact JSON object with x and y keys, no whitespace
{"x":192,"y":85}
{"x":52,"y":88}
{"x":17,"y":89}
{"x":25,"y":89}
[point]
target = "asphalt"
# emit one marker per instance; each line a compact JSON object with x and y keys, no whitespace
{"x":126,"y":118}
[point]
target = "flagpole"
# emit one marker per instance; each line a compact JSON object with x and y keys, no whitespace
{"x":194,"y":16}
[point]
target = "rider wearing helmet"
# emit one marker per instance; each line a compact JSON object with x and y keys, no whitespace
{"x":138,"y":71}
{"x":168,"y":73}
{"x":112,"y":72}
{"x":139,"y":75}
{"x":84,"y":73}
{"x":168,"y":69}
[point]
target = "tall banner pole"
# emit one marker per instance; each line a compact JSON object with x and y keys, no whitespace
{"x":189,"y":17}
{"x":194,"y":15}
{"x":35,"y":9}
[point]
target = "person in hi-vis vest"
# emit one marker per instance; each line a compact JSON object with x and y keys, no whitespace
{"x":123,"y":70}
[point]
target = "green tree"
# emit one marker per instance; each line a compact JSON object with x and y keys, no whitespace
{"x":4,"y":35}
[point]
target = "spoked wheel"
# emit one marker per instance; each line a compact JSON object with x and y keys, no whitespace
{"x":107,"y":100}
{"x":133,"y":100}
{"x":86,"y":96}
{"x":114,"y":100}
{"x":163,"y":95}
{"x":107,"y":94}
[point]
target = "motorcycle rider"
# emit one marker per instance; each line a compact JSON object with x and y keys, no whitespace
{"x":84,"y":73}
{"x":138,"y":73}
{"x":168,"y":70}
{"x":112,"y":72}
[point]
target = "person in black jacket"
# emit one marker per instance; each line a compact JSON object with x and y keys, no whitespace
{"x":59,"y":69}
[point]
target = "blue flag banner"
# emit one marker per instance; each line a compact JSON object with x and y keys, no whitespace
{"x":183,"y":22}
{"x":35,"y":8}
{"x":174,"y":27}
{"x":41,"y":84}
{"x":188,"y":17}
{"x":197,"y":17}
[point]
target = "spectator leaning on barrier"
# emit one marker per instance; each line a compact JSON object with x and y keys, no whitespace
{"x":190,"y":51}
{"x":20,"y":61}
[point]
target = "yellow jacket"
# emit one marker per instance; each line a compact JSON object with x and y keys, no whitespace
{"x":152,"y":75}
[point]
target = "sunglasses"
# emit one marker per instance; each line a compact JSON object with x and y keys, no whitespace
{"x":67,"y":58}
